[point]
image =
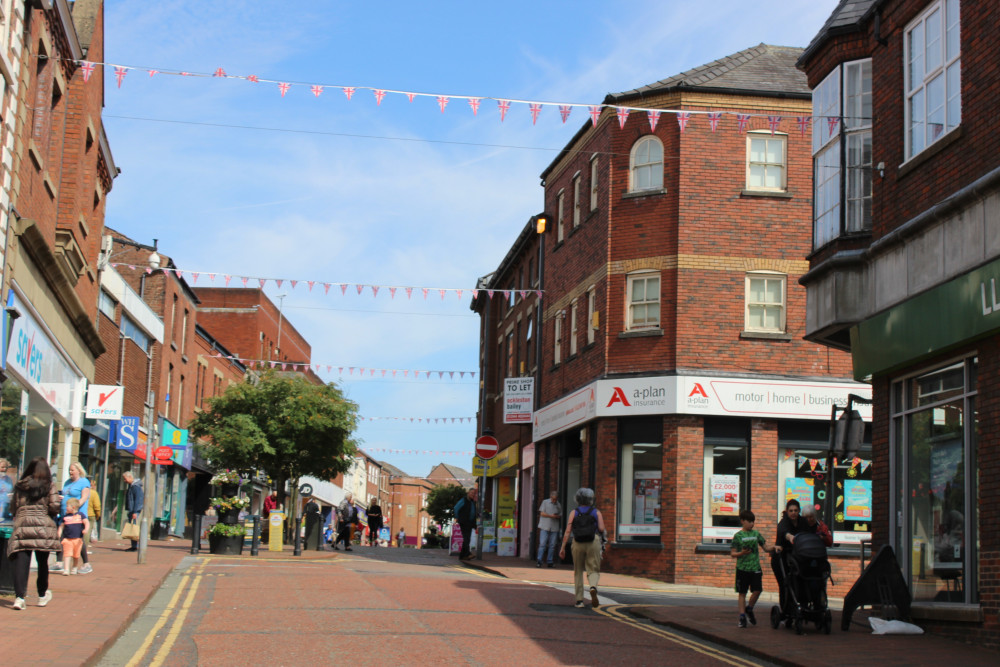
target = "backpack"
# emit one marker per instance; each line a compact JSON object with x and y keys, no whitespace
{"x":584,"y":525}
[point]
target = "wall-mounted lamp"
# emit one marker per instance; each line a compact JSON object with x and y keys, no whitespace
{"x":881,"y":169}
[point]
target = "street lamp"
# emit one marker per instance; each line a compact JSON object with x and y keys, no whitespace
{"x":542,"y":223}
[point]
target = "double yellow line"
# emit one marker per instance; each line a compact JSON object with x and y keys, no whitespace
{"x":617,"y":613}
{"x":175,"y":629}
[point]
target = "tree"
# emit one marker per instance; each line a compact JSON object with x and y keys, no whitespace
{"x":284,"y":426}
{"x":441,"y":502}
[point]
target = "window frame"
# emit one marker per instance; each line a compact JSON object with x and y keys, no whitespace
{"x":557,"y":339}
{"x":946,"y":65}
{"x":635,"y":167}
{"x":591,"y":309}
{"x":747,"y":304}
{"x":576,"y":200}
{"x":630,"y":281}
{"x":645,"y":433}
{"x":573,"y":330}
{"x":594,"y":182}
{"x":560,"y":215}
{"x":767,"y":136}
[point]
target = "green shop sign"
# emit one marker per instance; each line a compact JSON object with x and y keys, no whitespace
{"x":960,"y":310}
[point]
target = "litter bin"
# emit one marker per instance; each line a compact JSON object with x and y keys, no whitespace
{"x":314,"y":531}
{"x":6,"y":571}
{"x":159,"y":530}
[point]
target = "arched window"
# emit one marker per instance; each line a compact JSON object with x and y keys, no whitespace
{"x":646,"y":163}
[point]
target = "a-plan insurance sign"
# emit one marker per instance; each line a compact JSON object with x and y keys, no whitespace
{"x":104,"y":401}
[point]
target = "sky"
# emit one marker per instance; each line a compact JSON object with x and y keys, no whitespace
{"x":233,"y":178}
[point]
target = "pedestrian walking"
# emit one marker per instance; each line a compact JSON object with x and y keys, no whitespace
{"x":77,"y":486}
{"x":584,"y":526}
{"x":35,"y":504}
{"x":74,"y":527}
{"x":746,"y":545}
{"x":94,"y":516}
{"x":347,"y":514}
{"x":466,"y":514}
{"x":374,"y":523}
{"x":401,"y":537}
{"x":134,"y":499}
{"x":548,"y":527}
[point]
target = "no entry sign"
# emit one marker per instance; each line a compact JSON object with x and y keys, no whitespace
{"x":487,"y":447}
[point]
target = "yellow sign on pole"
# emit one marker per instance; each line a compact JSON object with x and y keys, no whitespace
{"x":276,"y":531}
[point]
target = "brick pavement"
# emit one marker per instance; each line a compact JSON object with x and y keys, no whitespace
{"x":89,"y":612}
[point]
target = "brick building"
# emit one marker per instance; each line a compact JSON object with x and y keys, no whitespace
{"x":256,"y":330}
{"x":671,"y":374}
{"x":57,"y":175}
{"x":903,"y":275}
{"x":446,"y":474}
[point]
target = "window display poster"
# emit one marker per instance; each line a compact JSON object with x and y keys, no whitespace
{"x":725,"y":495}
{"x":799,"y":488}
{"x":858,"y":500}
{"x":646,"y":494}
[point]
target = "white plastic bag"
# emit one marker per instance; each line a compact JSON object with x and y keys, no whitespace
{"x":93,"y":534}
{"x":883,"y":627}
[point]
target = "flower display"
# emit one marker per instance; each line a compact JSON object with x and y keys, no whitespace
{"x":227,"y":477}
{"x":228,"y":530}
{"x":226,"y":504}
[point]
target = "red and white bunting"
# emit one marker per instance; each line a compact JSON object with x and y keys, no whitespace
{"x":349,"y":91}
{"x":832,"y":123}
{"x":595,"y":114}
{"x":503,"y":105}
{"x":410,"y":96}
{"x":564,"y":111}
{"x":253,"y":78}
{"x":442,"y":102}
{"x":316,"y":90}
{"x":535,"y":110}
{"x":654,"y":118}
{"x":742,"y":120}
{"x":120,"y":73}
{"x":474,"y":105}
{"x":379,"y":96}
{"x":622,"y":117}
{"x":773,"y":122}
{"x":87,"y":68}
{"x":220,"y":73}
{"x":682,"y":120}
{"x":803,"y":123}
{"x":713,"y":120}
{"x":153,"y":72}
{"x":283,"y":87}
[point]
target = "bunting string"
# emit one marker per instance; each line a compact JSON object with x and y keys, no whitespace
{"x":503,"y":104}
{"x":362,"y":371}
{"x":417,"y":451}
{"x":421,"y":420}
{"x":344,"y":288}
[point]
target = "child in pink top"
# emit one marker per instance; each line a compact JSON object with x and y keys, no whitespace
{"x":71,"y":532}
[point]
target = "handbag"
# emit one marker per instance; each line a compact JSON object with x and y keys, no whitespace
{"x":130,"y":531}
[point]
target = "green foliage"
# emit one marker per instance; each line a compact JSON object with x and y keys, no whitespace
{"x":226,"y":504}
{"x":228,"y":530}
{"x":441,"y":502}
{"x":284,"y":426}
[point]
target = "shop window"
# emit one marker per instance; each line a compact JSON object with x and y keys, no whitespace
{"x":641,"y":461}
{"x":839,"y":490}
{"x":933,"y":444}
{"x":726,"y":485}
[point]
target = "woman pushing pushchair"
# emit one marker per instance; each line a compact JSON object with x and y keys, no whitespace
{"x":801,"y":569}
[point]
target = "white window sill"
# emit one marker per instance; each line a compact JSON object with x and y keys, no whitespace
{"x":777,"y":194}
{"x":645,"y":193}
{"x":770,"y":335}
{"x":641,"y":333}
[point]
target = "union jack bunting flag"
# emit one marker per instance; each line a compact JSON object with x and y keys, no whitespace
{"x":622,"y":117}
{"x":474,"y":105}
{"x":228,"y":278}
{"x":682,"y":119}
{"x":832,"y":122}
{"x":442,"y":102}
{"x":564,"y":110}
{"x":153,"y":72}
{"x":503,"y":105}
{"x":87,"y":68}
{"x":654,"y":118}
{"x":317,"y":90}
{"x":348,"y":91}
{"x":379,"y":94}
{"x":284,"y":87}
{"x":742,"y":120}
{"x":595,"y":113}
{"x":803,"y":123}
{"x":253,"y":78}
{"x":120,"y":73}
{"x":535,"y":110}
{"x":244,"y":280}
{"x":220,"y":73}
{"x":773,"y":122}
{"x":343,"y":289}
{"x":713,"y":120}
{"x":410,"y":96}
{"x":262,"y":281}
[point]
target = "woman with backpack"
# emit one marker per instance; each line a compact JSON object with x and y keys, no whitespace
{"x":584,"y":525}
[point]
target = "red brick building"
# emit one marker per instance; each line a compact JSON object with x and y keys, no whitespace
{"x":903,"y":271}
{"x":256,"y":330}
{"x":58,"y":169}
{"x":671,"y":374}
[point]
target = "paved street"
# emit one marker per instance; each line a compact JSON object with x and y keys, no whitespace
{"x":410,"y":607}
{"x":379,"y":607}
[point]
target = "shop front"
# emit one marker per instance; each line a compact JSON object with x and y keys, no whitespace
{"x":680,"y":456}
{"x":43,"y":394}
{"x":500,"y":507}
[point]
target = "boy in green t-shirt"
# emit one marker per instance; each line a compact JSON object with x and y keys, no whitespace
{"x":746,"y":550}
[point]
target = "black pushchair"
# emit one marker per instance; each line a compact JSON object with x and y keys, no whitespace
{"x":804,"y":572}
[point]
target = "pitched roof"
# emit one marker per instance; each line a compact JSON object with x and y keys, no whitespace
{"x":393,"y":470}
{"x":760,"y":69}
{"x":848,"y":16}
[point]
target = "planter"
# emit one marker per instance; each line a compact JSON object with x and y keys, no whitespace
{"x":225,"y":546}
{"x":229,"y":490}
{"x":229,"y":516}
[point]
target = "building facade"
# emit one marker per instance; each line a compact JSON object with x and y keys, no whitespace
{"x":903,"y":270}
{"x":667,"y":354}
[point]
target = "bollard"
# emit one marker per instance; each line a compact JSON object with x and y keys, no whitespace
{"x":298,"y":536}
{"x":196,"y":535}
{"x":255,"y":541}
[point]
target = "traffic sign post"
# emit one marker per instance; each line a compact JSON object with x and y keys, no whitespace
{"x":487,"y":447}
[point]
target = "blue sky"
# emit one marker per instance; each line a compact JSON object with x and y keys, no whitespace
{"x":233,"y":178}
